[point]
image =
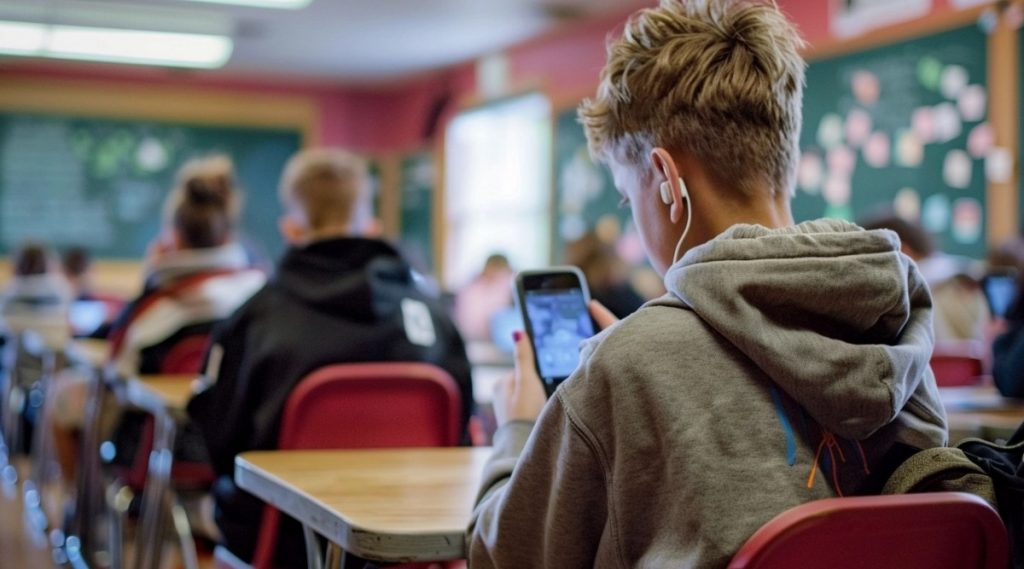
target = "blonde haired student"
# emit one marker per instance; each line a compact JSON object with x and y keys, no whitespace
{"x":787,"y":363}
{"x":337,"y":297}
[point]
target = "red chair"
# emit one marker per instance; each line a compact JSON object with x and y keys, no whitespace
{"x":958,"y":364}
{"x":186,"y":356}
{"x":385,"y":405}
{"x":927,"y":531}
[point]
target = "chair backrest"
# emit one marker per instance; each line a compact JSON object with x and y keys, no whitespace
{"x":377,"y":405}
{"x":910,"y":531}
{"x":186,"y":355}
{"x":957,"y":364}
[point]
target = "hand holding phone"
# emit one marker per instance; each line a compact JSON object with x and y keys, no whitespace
{"x":554,"y":304}
{"x":520,"y":396}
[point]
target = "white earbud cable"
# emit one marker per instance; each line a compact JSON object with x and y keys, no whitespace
{"x":679,"y":246}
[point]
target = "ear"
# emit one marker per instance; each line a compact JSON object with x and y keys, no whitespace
{"x":292,"y":230}
{"x":372,"y":228}
{"x":666,"y":171}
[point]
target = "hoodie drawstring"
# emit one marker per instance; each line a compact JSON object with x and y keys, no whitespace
{"x":780,"y":409}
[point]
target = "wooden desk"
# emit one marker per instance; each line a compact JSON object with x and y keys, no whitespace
{"x":384,"y":505}
{"x":159,"y":393}
{"x":92,"y":351}
{"x":980,"y":411}
{"x":164,"y":397}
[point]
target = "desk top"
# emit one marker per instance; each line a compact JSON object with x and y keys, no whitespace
{"x":387,"y":505}
{"x":93,"y":351}
{"x":971,"y":410}
{"x":158,"y":393}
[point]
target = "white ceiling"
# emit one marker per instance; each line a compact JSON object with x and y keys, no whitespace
{"x":344,"y":40}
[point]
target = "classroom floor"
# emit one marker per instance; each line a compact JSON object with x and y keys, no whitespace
{"x":16,"y":542}
{"x":20,"y":548}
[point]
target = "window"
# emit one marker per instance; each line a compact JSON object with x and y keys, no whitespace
{"x":498,"y":187}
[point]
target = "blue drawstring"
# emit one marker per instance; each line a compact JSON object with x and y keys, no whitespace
{"x":780,"y":409}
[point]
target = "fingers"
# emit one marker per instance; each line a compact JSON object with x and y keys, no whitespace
{"x":601,"y":315}
{"x":523,"y":352}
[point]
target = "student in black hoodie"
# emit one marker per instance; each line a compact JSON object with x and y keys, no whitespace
{"x":337,"y":298}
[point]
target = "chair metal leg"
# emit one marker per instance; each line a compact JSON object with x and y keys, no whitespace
{"x":119,"y":499}
{"x":335,"y":557}
{"x":89,"y":490}
{"x":183,"y":530}
{"x":149,"y":541}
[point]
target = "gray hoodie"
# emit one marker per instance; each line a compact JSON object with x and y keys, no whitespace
{"x":780,"y":368}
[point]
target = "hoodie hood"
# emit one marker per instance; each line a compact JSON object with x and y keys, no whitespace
{"x":835,"y":315}
{"x":360,"y":279}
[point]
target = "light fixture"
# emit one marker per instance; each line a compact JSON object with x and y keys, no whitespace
{"x":281,"y":4}
{"x":172,"y":49}
{"x":18,"y":38}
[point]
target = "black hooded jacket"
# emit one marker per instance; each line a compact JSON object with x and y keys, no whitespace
{"x":334,"y":301}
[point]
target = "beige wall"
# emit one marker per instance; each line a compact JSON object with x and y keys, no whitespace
{"x":120,"y":278}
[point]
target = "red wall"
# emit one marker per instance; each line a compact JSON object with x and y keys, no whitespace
{"x":565,"y":64}
{"x":332,"y":101}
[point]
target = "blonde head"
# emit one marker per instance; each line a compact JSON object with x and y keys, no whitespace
{"x":721,"y":80}
{"x":327,"y":188}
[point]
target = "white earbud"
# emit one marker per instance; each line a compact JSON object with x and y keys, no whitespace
{"x":666,"y":193}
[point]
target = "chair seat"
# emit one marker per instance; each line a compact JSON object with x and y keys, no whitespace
{"x":941,"y":530}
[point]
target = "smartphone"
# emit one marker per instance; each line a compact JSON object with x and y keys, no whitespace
{"x":1000,"y":292}
{"x":553,"y":303}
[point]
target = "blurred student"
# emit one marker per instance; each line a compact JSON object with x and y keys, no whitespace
{"x":37,"y":297}
{"x":959,"y":311}
{"x":784,"y":366}
{"x":77,"y":267}
{"x":195,"y":275}
{"x":606,"y":274}
{"x":486,"y":295}
{"x":337,"y":297}
{"x":1007,"y":331}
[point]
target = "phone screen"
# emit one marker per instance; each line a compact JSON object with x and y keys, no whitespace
{"x":1000,"y":292}
{"x":555,"y":311}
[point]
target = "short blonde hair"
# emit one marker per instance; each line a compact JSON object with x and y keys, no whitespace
{"x":327,"y":185}
{"x":721,"y":80}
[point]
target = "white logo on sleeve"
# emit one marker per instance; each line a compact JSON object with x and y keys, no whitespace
{"x":419,"y":327}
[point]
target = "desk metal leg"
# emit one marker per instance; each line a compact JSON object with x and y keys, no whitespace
{"x":149,"y":543}
{"x":313,"y":559}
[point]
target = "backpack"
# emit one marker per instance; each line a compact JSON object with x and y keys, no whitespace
{"x":1004,"y":464}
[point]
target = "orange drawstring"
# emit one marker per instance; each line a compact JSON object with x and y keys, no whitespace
{"x":863,"y":458}
{"x":828,"y":440}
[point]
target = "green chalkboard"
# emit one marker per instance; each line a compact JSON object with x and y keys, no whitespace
{"x":101,"y":183}
{"x":585,"y":194}
{"x":416,"y":217}
{"x":904,"y":128}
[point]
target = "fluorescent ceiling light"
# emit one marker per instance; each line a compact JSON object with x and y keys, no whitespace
{"x":284,"y":4}
{"x":115,"y":45}
{"x":17,"y":38}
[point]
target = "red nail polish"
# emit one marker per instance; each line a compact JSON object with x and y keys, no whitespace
{"x":517,"y":335}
